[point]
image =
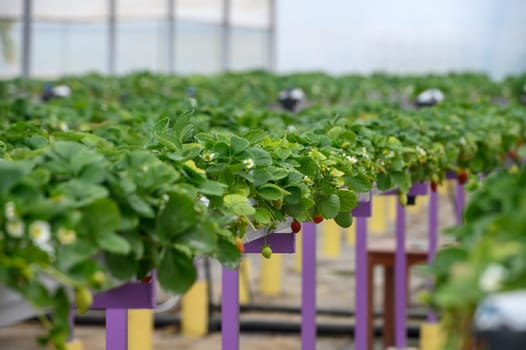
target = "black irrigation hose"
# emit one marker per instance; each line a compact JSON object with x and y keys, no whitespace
{"x":323,"y":329}
{"x":250,"y":326}
{"x":420,"y":315}
{"x":160,"y":320}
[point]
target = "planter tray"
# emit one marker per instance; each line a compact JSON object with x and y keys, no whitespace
{"x":132,"y":295}
{"x":251,"y":235}
{"x":283,"y":243}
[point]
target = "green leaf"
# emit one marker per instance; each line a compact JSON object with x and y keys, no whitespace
{"x":212,"y":188}
{"x":271,"y":192}
{"x":359,"y":183}
{"x":260,"y":156}
{"x":295,"y":195}
{"x":228,"y":254}
{"x":202,"y":238}
{"x":122,"y":267}
{"x":114,"y":243}
{"x":261,"y":176}
{"x":10,"y":174}
{"x":348,"y":200}
{"x":446,"y":257}
{"x":344,"y":219}
{"x":329,"y":207}
{"x":238,"y":204}
{"x":82,"y":193}
{"x":402,"y":180}
{"x":101,"y":217}
{"x":176,"y":271}
{"x":262,"y":216}
{"x":384,"y":182}
{"x":140,"y":206}
{"x":239,"y":144}
{"x":177,"y":216}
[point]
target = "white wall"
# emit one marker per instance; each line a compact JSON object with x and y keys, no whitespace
{"x":402,"y":36}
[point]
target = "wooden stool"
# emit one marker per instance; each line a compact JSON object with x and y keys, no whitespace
{"x":383,"y":253}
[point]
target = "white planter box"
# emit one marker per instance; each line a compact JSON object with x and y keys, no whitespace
{"x":13,"y":308}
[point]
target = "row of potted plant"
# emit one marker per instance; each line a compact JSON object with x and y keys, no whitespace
{"x":146,"y":172}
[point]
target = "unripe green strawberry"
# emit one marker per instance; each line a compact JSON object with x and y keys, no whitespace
{"x":97,"y":279}
{"x":266,"y":251}
{"x":402,"y":198}
{"x":83,"y":299}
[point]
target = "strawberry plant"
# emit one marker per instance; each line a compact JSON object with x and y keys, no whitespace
{"x":146,"y":172}
{"x":489,"y":256}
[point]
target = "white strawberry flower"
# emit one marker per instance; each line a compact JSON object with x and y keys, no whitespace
{"x":15,"y":228}
{"x":351,"y":159}
{"x":291,"y":128}
{"x":66,"y":236}
{"x":10,"y":211}
{"x":492,"y":278}
{"x":63,"y":126}
{"x":249,"y":163}
{"x":209,"y":156}
{"x":421,"y":151}
{"x":364,"y":153}
{"x":40,"y":232}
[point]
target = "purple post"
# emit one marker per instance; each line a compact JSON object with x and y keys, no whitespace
{"x":230,"y":309}
{"x":361,"y":332}
{"x":308,"y":287}
{"x":459,"y":203}
{"x":433,"y":241}
{"x":117,"y":329}
{"x":400,"y":279}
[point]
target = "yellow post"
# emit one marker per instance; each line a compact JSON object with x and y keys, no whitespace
{"x":270,"y":276}
{"x":297,"y":255}
{"x":378,"y":220}
{"x":140,"y":329}
{"x":331,"y":239}
{"x":194,"y":310}
{"x":431,"y":336}
{"x":75,"y":345}
{"x":390,"y":202}
{"x":350,"y":234}
{"x":244,"y":281}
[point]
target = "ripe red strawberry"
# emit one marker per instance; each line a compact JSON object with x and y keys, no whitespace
{"x":146,"y":279}
{"x":512,"y":154}
{"x":434,"y":186}
{"x":295,"y":226}
{"x":240,"y":246}
{"x":317,"y":219}
{"x":462,"y":176}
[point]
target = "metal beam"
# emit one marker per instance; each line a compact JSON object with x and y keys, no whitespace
{"x":171,"y":36}
{"x":226,"y":31}
{"x":112,"y":42}
{"x":27,"y":34}
{"x":272,"y":36}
